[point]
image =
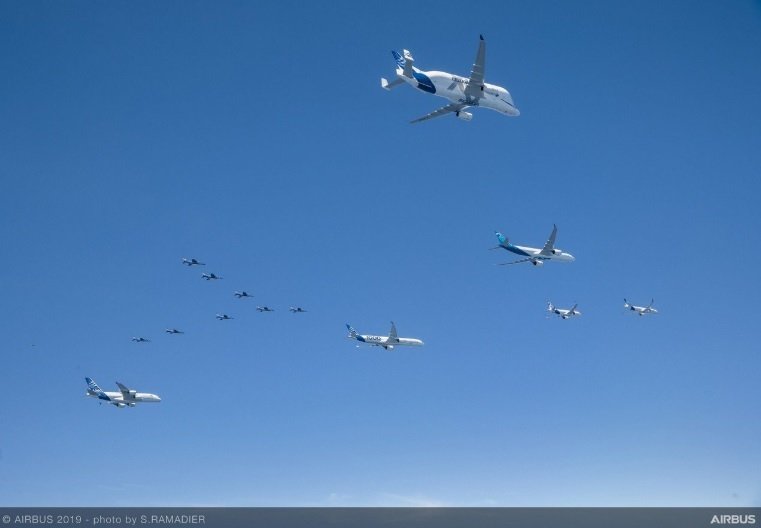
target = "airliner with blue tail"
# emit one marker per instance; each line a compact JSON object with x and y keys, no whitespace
{"x":534,"y":255}
{"x":462,"y":92}
{"x":388,"y":342}
{"x":126,"y":397}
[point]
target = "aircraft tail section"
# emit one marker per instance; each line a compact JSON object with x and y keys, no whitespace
{"x":352,"y":333}
{"x":405,"y":62}
{"x":93,"y":388}
{"x":501,"y":238}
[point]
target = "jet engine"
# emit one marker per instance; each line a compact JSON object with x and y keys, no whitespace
{"x":557,"y":251}
{"x":465,"y":116}
{"x":537,"y":262}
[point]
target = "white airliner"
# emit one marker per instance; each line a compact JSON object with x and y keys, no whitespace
{"x":641,"y":310}
{"x":562,"y":312}
{"x":462,"y":92}
{"x":387,"y":342}
{"x":124,"y":398}
{"x":534,"y":255}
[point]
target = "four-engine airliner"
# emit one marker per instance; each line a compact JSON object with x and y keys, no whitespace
{"x":126,"y":397}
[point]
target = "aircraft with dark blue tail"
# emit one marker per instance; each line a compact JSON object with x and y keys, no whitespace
{"x":463,"y":92}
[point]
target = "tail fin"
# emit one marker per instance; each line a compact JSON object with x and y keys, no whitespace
{"x":404,"y":62}
{"x":93,"y":387}
{"x":550,"y":307}
{"x":352,"y":332}
{"x":502,"y":238}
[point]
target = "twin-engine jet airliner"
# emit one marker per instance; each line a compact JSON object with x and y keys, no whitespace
{"x":124,"y":398}
{"x":563,"y":312}
{"x":387,"y":342}
{"x":462,"y":92}
{"x":641,"y":310}
{"x":534,"y":255}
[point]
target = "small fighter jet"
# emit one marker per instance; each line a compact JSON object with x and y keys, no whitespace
{"x":126,"y":397}
{"x":534,"y":255}
{"x":297,"y":309}
{"x":388,"y":342}
{"x":173,"y":331}
{"x":241,"y":294}
{"x":192,"y":262}
{"x":641,"y":310}
{"x":141,"y":340}
{"x":265,"y":309}
{"x":222,"y":316}
{"x":562,"y":312}
{"x":209,"y":276}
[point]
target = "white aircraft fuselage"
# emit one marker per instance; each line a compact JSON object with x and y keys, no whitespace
{"x":387,"y":342}
{"x":116,"y":398}
{"x":526,"y":251}
{"x":452,"y":87}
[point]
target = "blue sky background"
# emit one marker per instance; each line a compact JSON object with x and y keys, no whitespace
{"x":255,"y":137}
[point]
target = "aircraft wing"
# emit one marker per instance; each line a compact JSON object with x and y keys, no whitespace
{"x":547,"y":249}
{"x":517,"y":261}
{"x":125,"y":391}
{"x":475,"y":87}
{"x":393,"y":337}
{"x":452,"y":107}
{"x":573,"y":310}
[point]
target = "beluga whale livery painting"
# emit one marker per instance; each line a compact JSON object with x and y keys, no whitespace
{"x":388,"y":342}
{"x":534,"y":255}
{"x":463,"y":92}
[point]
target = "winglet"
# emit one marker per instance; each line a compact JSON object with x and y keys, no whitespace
{"x":481,"y":37}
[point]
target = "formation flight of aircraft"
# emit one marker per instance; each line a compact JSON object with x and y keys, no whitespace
{"x":387,"y":342}
{"x":534,"y":255}
{"x":462,"y":92}
{"x":124,"y":398}
{"x":209,"y":276}
{"x":641,"y":310}
{"x":562,"y":312}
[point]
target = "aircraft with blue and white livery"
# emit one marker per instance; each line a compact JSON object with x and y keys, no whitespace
{"x":126,"y":397}
{"x":388,"y":342}
{"x":534,"y":255}
{"x":462,"y":92}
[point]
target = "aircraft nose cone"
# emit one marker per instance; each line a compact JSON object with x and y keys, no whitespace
{"x":571,"y":257}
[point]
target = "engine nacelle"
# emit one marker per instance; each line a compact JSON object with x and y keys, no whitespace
{"x":465,"y":116}
{"x":537,"y":262}
{"x":557,"y":251}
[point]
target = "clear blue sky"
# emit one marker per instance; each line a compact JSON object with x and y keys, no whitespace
{"x":255,"y":136}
